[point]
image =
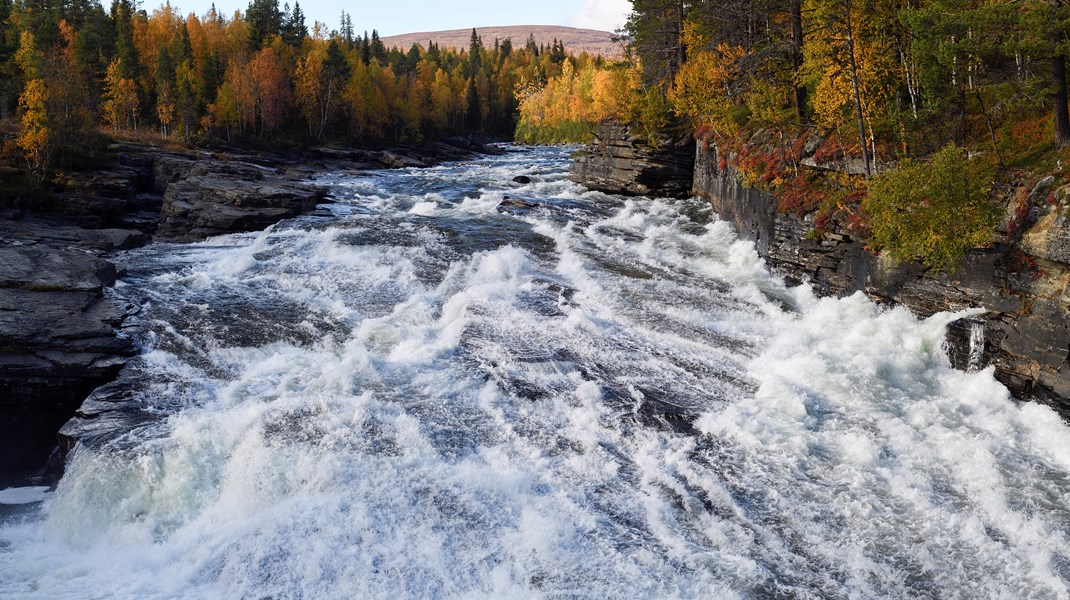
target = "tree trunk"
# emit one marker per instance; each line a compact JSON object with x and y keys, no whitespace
{"x":857,"y":94}
{"x":1062,"y":118}
{"x":797,"y":57}
{"x":681,"y":49}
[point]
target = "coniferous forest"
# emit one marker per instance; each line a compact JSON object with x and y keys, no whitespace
{"x":71,"y":70}
{"x":892,"y":78}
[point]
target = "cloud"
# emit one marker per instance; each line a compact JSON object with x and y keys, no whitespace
{"x":606,"y":15}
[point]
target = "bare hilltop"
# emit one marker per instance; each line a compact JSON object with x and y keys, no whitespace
{"x":575,"y":40}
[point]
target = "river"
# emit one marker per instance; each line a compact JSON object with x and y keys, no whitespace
{"x":449,"y":384}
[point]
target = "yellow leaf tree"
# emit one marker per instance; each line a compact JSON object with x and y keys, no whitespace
{"x":120,"y":98}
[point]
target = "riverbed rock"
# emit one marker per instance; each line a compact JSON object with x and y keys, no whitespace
{"x":40,"y":268}
{"x":58,"y":341}
{"x":218,"y":197}
{"x":60,"y":321}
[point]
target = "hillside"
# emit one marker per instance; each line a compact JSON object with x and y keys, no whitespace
{"x":575,"y":40}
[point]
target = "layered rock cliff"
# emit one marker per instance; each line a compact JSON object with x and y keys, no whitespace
{"x":621,"y":163}
{"x":1024,"y":287}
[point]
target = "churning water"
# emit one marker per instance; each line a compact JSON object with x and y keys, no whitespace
{"x":460,"y":386}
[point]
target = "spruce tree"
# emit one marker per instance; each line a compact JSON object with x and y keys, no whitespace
{"x":378,"y":50}
{"x":475,"y":52}
{"x":264,"y":19}
{"x":122,"y":13}
{"x":295,"y":30}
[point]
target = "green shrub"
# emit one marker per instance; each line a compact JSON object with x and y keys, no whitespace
{"x":564,"y":132}
{"x":650,"y":114}
{"x":933,"y":212}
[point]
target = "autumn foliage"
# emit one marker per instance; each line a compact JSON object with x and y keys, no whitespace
{"x":568,"y":107}
{"x":262,"y":76}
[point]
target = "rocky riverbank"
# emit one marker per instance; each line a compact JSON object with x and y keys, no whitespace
{"x":1022,"y":281}
{"x":61,"y":326}
{"x":621,"y":163}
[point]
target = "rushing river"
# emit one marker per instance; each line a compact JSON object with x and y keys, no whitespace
{"x":439,"y":391}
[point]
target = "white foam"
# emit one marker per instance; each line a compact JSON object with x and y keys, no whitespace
{"x":465,"y":423}
{"x":24,"y":495}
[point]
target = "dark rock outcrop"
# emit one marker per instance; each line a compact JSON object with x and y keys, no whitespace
{"x":58,"y":341}
{"x":216,"y":197}
{"x":620,"y":163}
{"x":111,"y":410}
{"x":1025,"y":288}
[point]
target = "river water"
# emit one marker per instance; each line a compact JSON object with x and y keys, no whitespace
{"x":438,"y":390}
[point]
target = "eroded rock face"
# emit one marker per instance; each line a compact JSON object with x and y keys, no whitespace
{"x":217,"y":197}
{"x":58,"y":341}
{"x":1025,"y":289}
{"x":619,"y":163}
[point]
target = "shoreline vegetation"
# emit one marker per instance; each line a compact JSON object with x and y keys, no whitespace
{"x":825,"y":104}
{"x":77,"y":76}
{"x":830,"y":105}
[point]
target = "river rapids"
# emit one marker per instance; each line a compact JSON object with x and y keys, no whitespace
{"x":449,"y":384}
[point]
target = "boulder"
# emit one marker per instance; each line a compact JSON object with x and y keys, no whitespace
{"x":220,"y":197}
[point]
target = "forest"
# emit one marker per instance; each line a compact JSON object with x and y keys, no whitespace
{"x":873,"y":90}
{"x":71,"y":72}
{"x":969,"y":95}
{"x":895,"y":77}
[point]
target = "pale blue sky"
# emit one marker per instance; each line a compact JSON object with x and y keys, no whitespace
{"x":393,"y":17}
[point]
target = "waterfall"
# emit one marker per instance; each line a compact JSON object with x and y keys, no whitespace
{"x":977,"y":347}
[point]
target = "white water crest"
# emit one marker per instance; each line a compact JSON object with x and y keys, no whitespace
{"x":977,"y":346}
{"x":443,"y":391}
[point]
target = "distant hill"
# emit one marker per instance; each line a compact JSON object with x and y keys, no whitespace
{"x":575,"y":40}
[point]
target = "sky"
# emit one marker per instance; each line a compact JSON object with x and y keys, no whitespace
{"x":392,"y":17}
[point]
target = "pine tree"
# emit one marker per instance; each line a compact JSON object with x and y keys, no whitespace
{"x":378,"y":50}
{"x":657,"y":28}
{"x":122,"y":13}
{"x":264,"y":19}
{"x":347,"y":29}
{"x":295,"y":31}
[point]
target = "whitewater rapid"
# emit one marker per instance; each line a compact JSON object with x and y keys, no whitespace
{"x":454,"y":385}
